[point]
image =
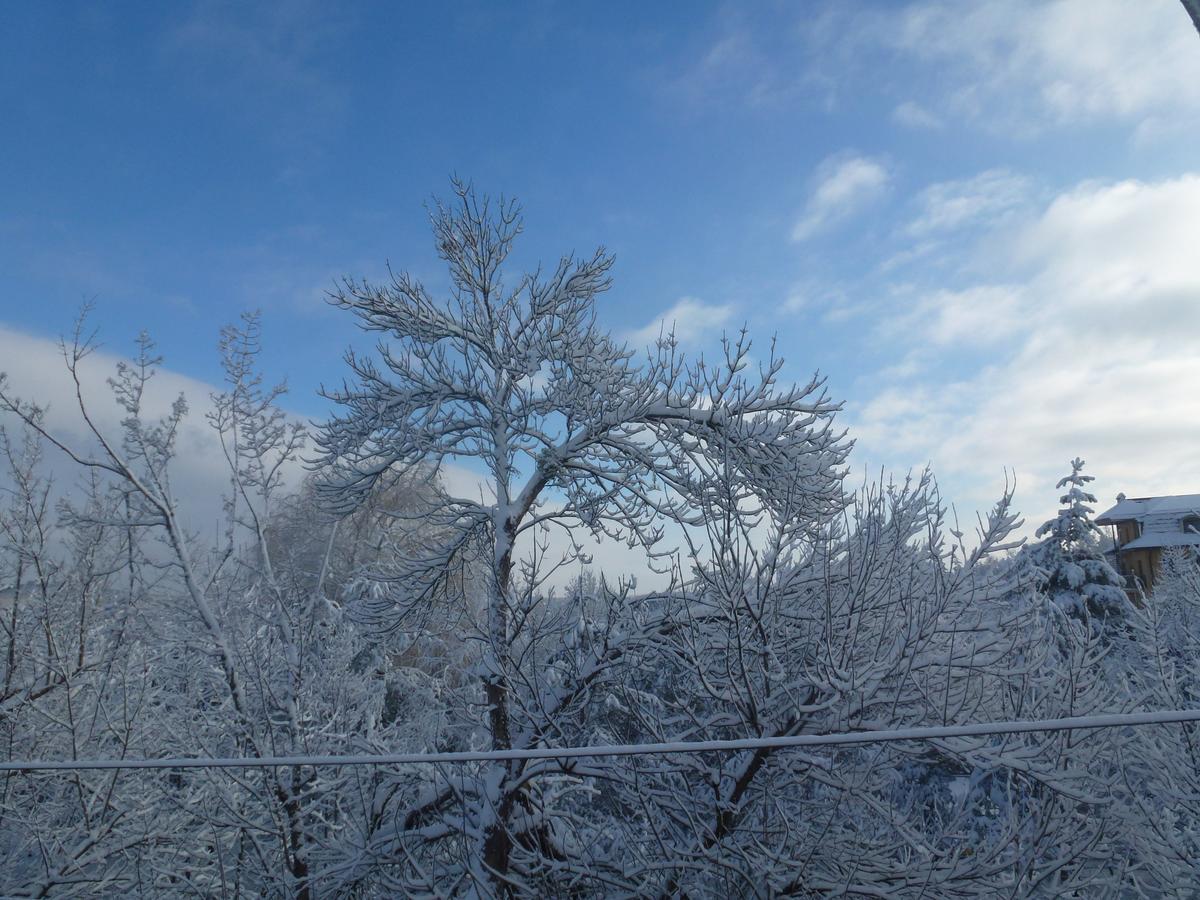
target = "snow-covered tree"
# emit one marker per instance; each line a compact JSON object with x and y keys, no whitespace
{"x":569,"y":431}
{"x":877,"y":619}
{"x":792,"y":607}
{"x":73,"y":681}
{"x":1074,"y":574}
{"x":158,"y":645}
{"x":1160,"y":767}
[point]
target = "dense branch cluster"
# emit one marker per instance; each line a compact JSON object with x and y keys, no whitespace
{"x":366,"y":607}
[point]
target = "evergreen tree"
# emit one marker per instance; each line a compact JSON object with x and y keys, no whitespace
{"x":1073,"y":572}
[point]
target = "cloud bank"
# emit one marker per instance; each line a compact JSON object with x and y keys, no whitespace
{"x":1090,"y":317}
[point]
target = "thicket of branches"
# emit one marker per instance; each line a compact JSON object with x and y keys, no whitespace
{"x":363,"y":608}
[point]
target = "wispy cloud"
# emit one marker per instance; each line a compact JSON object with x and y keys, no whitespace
{"x":818,"y":299}
{"x":731,"y":71}
{"x":998,"y":65}
{"x":975,"y":316}
{"x":269,"y":65}
{"x":982,"y":199}
{"x":1027,"y":63}
{"x":689,"y":319}
{"x":844,"y":186}
{"x":913,"y":115}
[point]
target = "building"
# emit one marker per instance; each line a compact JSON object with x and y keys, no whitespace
{"x":1142,"y":527}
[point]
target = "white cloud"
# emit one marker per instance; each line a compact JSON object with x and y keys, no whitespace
{"x":844,"y":186}
{"x":977,"y":316}
{"x":1112,"y":246}
{"x":1099,"y":306}
{"x":984,"y":198}
{"x":797,"y":301}
{"x":689,"y":319}
{"x":1066,"y":61}
{"x":913,"y":115}
{"x":1009,"y":66}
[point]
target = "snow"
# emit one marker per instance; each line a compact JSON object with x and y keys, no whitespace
{"x":1138,"y":508}
{"x":1153,"y":539}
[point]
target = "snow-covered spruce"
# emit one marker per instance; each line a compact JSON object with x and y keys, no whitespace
{"x":1073,"y":572}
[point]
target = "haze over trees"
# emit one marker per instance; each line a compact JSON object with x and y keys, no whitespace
{"x":366,"y":608}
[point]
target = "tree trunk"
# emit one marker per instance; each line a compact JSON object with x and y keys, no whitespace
{"x":497,"y":842}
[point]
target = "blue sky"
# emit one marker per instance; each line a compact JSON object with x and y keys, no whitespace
{"x":979,"y":219}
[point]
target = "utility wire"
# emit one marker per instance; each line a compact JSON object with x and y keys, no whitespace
{"x":984,"y":729}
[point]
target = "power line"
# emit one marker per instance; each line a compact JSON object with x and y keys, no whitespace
{"x":984,"y":729}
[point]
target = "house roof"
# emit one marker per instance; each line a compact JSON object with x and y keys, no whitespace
{"x":1143,"y":508}
{"x":1160,"y":520}
{"x":1162,"y":539}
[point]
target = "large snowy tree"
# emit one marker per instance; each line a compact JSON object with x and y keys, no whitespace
{"x":570,"y":430}
{"x":793,"y":609}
